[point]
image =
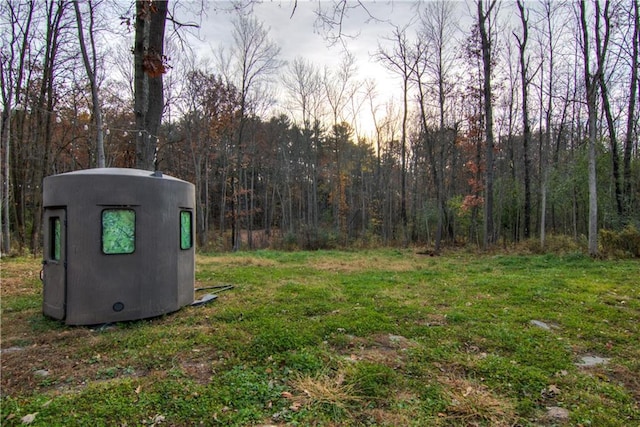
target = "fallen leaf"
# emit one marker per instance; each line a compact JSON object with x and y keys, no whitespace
{"x":138,"y":389}
{"x":553,"y":389}
{"x":295,"y":406}
{"x":286,"y":395}
{"x":468,"y":391}
{"x":157,"y":419}
{"x":29,"y":418}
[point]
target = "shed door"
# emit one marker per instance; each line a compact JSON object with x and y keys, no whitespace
{"x":55,"y":263}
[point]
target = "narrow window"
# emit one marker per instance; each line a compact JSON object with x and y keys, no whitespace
{"x":118,"y":231}
{"x":186,"y":239}
{"x":54,"y":239}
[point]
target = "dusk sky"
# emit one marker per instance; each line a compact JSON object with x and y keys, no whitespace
{"x":299,"y":33}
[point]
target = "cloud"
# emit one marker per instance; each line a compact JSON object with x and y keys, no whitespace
{"x":296,"y":29}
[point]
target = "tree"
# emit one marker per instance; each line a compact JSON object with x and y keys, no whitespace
{"x":436,"y":62}
{"x":547,"y":44}
{"x":253,"y":60}
{"x":339,"y":89}
{"x":305,"y":87}
{"x":12,"y":71}
{"x":400,"y":60}
{"x":602,"y":46}
{"x":591,"y":86}
{"x":524,"y":81}
{"x":91,"y":67}
{"x":150,"y":64}
{"x":487,"y":46}
{"x":634,"y":17}
{"x":303,"y":83}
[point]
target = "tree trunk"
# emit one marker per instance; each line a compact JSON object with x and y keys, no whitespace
{"x":489,"y":234}
{"x":11,"y":78}
{"x":524,"y":65}
{"x":631,"y":111}
{"x":591,"y":89}
{"x":601,"y":53}
{"x":149,"y":66}
{"x":90,"y":68}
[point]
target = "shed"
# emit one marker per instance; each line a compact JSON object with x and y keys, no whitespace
{"x":118,"y":245}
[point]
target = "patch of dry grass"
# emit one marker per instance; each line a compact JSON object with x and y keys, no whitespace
{"x":364,"y":262}
{"x":323,"y":389}
{"x":474,"y":404}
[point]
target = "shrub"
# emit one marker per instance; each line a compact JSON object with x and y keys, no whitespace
{"x":554,"y":243}
{"x":624,"y":243}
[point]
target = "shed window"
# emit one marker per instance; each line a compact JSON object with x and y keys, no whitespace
{"x":54,"y":239}
{"x":118,"y":231}
{"x":186,"y":238}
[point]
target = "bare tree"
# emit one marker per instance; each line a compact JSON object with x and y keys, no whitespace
{"x":339,"y":88}
{"x":306,"y":91}
{"x":303,"y":83}
{"x":591,"y":85}
{"x":524,"y":81}
{"x":602,"y":46}
{"x":435,"y":63}
{"x":548,"y":40}
{"x":631,"y":110}
{"x":331,"y":16}
{"x":487,"y":45}
{"x":251,"y":63}
{"x":12,"y":70}
{"x":400,"y":60}
{"x":90,"y":61}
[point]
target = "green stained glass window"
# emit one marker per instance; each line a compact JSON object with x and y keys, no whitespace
{"x":118,"y":231}
{"x":55,"y":239}
{"x":186,"y":240}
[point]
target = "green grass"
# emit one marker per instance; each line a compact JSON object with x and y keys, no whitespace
{"x":378,"y":337}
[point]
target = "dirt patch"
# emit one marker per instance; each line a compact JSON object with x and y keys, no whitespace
{"x":624,"y":376}
{"x":20,"y":369}
{"x":387,"y":349}
{"x":433,"y":319}
{"x":198,"y":371}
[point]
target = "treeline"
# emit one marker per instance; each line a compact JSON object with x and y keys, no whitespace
{"x":497,"y":137}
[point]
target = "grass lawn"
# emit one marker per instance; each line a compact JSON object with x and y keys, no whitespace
{"x":328,"y":338}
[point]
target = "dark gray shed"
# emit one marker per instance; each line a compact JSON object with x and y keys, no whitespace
{"x":118,"y":245}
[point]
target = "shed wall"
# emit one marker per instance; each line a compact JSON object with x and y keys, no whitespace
{"x":156,"y":278}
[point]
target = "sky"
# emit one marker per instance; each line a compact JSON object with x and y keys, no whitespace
{"x":298,"y":34}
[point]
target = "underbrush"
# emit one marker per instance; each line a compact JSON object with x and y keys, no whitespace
{"x":621,"y":244}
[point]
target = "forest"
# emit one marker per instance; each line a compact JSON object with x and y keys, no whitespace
{"x":520,"y":126}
